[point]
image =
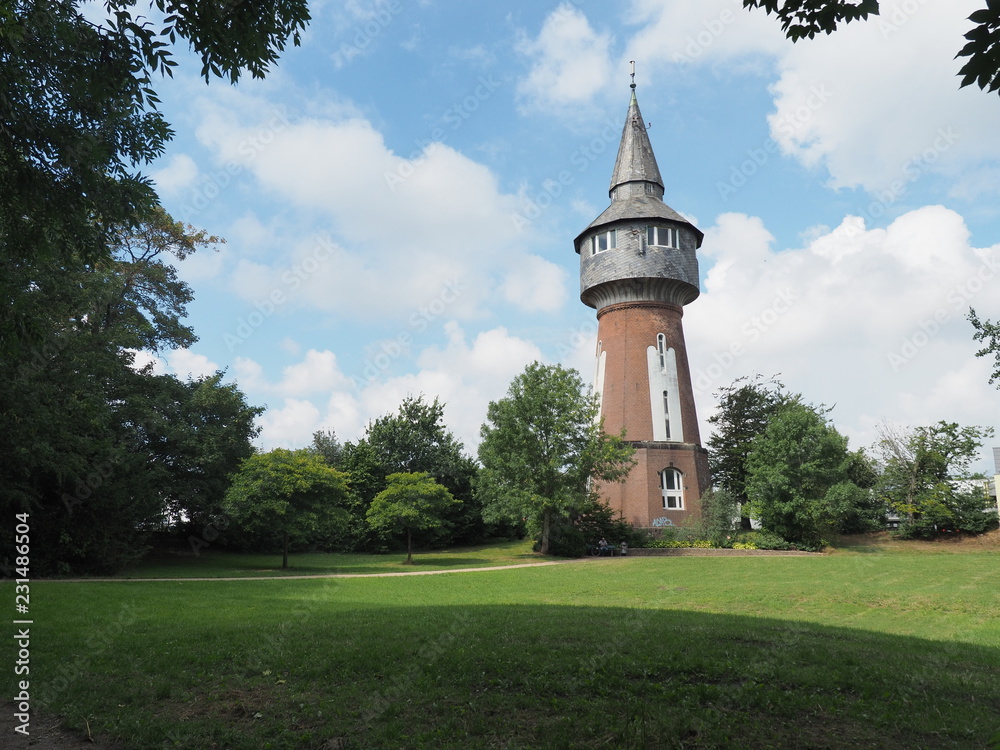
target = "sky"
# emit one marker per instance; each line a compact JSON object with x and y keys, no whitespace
{"x":400,"y":195}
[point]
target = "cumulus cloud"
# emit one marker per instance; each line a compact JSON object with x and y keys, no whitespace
{"x":315,"y":393}
{"x":399,"y":230}
{"x":878,"y":104}
{"x":179,"y":173}
{"x":872,"y":320}
{"x":570,"y":61}
{"x":186,"y":364}
{"x":711,"y":31}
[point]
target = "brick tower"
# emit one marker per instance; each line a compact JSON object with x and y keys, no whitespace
{"x":638,"y":269}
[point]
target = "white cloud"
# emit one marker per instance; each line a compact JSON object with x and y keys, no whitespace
{"x":536,"y":285}
{"x":878,"y":103}
{"x":872,"y":320}
{"x":180,"y":172}
{"x":570,"y":61}
{"x":394,"y":234}
{"x":465,"y":376}
{"x":712,"y":31}
{"x":290,"y":426}
{"x":317,"y":373}
{"x":186,"y":364}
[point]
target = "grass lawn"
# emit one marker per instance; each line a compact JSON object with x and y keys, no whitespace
{"x":863,"y":648}
{"x":214,"y":563}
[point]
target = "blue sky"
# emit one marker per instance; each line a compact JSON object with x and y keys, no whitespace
{"x":400,"y":195}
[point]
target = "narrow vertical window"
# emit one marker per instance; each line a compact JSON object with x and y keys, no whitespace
{"x":661,"y":350}
{"x":673,"y":490}
{"x":666,"y":412}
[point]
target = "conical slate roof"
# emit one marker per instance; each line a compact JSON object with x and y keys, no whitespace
{"x":635,"y":162}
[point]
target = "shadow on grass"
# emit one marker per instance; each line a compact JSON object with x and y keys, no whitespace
{"x":522,"y":676}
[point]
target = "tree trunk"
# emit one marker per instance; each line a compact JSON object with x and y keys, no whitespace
{"x":409,"y":547}
{"x":284,"y":550}
{"x":544,"y":546}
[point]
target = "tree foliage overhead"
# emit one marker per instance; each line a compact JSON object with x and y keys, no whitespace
{"x":78,"y":116}
{"x":807,"y":18}
{"x":542,"y":447}
{"x":926,"y":478}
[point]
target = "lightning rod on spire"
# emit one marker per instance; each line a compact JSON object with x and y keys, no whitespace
{"x":632,"y":63}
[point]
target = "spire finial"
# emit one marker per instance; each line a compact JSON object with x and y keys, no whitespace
{"x":632,"y":63}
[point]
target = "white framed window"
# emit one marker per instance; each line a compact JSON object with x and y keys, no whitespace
{"x":661,"y":350}
{"x":662,"y":236}
{"x":673,"y":489}
{"x":649,"y":188}
{"x":604,"y":241}
{"x":666,"y":411}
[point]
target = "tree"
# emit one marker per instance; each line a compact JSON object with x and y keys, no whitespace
{"x":799,"y":476}
{"x":926,"y":478}
{"x":416,"y":439}
{"x":411,"y":501}
{"x":989,"y":333}
{"x":542,"y":448}
{"x":293,"y":494}
{"x":199,"y":432}
{"x":326,"y":446}
{"x":102,"y":454}
{"x":79,"y":118}
{"x":807,"y":18}
{"x":744,"y":410}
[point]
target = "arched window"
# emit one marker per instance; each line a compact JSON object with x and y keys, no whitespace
{"x":661,"y":350}
{"x":671,"y":482}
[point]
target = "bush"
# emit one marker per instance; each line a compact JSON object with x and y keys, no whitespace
{"x":763,"y":540}
{"x":570,"y":537}
{"x":678,"y":544}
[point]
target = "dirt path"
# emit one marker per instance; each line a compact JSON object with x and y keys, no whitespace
{"x":318,"y":575}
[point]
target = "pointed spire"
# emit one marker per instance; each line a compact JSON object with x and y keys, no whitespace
{"x":635,"y":162}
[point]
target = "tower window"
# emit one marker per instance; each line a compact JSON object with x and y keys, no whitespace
{"x":604,"y":241}
{"x":673,"y":490}
{"x":662,"y":236}
{"x":666,"y":411}
{"x":661,"y":350}
{"x":649,"y":188}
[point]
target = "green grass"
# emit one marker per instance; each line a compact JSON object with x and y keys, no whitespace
{"x":857,"y":649}
{"x":214,"y":563}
